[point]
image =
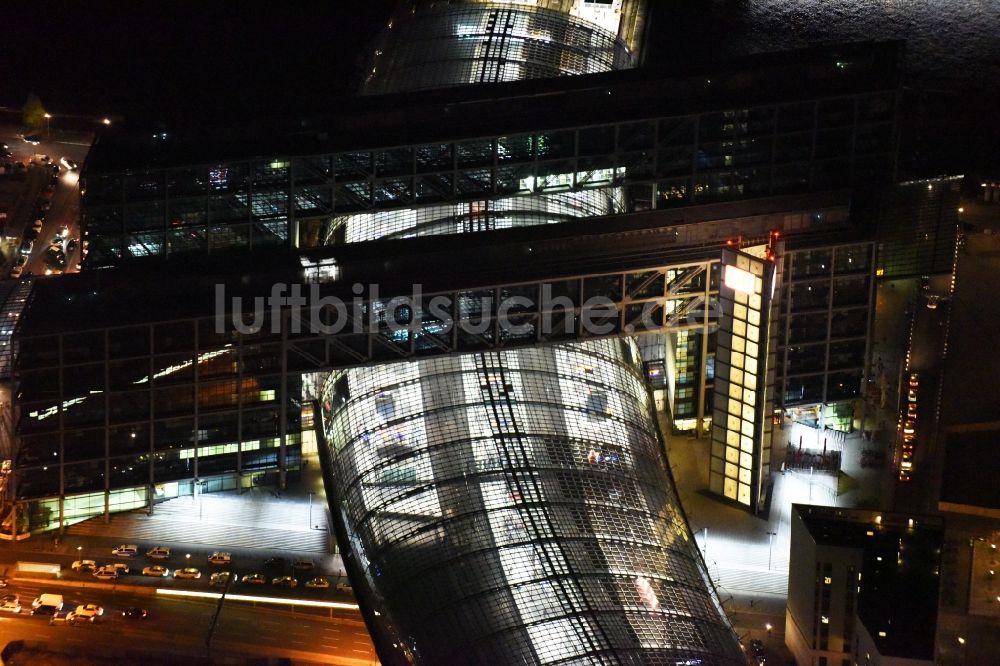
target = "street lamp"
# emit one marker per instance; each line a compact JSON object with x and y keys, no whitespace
{"x":770,"y":542}
{"x":769,"y":627}
{"x":311,"y":510}
{"x":48,"y":132}
{"x":106,"y":121}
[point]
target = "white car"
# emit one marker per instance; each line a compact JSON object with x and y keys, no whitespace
{"x":68,"y":163}
{"x":345,"y":586}
{"x":156,"y":570}
{"x":158,"y":553}
{"x":106,"y":573}
{"x":10,"y":603}
{"x":220,"y":579}
{"x":189,"y":572}
{"x":84,"y":565}
{"x":220,"y":558}
{"x":88,"y":612}
{"x":125,"y":550}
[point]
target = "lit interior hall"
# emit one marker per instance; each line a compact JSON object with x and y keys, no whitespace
{"x":516,"y":507}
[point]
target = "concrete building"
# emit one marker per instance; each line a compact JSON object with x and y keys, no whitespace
{"x":862,"y":587}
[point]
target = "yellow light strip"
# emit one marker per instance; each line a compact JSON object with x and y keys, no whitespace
{"x":263,"y":600}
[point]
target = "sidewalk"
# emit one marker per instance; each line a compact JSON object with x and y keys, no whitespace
{"x":258,"y":518}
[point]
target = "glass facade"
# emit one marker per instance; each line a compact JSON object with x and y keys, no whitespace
{"x":456,"y":44}
{"x":484,"y":182}
{"x":136,"y":407}
{"x":516,"y":507}
{"x":825,"y":313}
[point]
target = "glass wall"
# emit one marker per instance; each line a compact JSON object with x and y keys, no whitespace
{"x":516,"y":507}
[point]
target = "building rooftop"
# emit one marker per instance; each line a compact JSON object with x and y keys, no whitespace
{"x":898,"y":596}
{"x":972,"y":467}
{"x":509,"y":108}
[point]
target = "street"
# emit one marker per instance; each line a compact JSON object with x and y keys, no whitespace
{"x":22,"y":195}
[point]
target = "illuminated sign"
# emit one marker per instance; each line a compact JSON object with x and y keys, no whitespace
{"x":740,"y":280}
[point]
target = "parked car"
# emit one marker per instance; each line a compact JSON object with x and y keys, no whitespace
{"x":220,"y":578}
{"x":158,"y":553}
{"x":125,"y":550}
{"x":275,"y":563}
{"x":156,"y":570}
{"x":120,"y":567}
{"x":318,"y":583}
{"x":285,"y":581}
{"x":345,"y":586}
{"x":220,"y":558}
{"x":302,"y":565}
{"x":254,"y":579}
{"x":134,"y":613}
{"x":187,"y":572}
{"x":84,"y":565}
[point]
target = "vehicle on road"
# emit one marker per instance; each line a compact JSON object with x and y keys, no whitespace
{"x":187,"y":572}
{"x":345,"y":586}
{"x":134,"y":613}
{"x":106,"y":573}
{"x":285,"y":581}
{"x":318,"y":583}
{"x":19,"y":264}
{"x":275,"y":563}
{"x":758,"y":651}
{"x":303,"y":565}
{"x":158,"y":553}
{"x":10,"y":603}
{"x":220,"y":578}
{"x":72,"y":244}
{"x":88,"y":611}
{"x":83,"y":565}
{"x":254,"y":579}
{"x":33,"y":139}
{"x":62,"y":617}
{"x":68,"y":163}
{"x":156,"y":570}
{"x":125,"y":550}
{"x":120,"y":567}
{"x":933,"y":301}
{"x":220,"y":558}
{"x":46,"y":604}
{"x":37,"y":225}
{"x":27,"y":245}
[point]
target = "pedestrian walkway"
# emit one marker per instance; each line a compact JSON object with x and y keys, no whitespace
{"x":261,"y":518}
{"x":222,"y":520}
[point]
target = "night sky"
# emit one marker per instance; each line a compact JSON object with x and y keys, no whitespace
{"x":208,"y":63}
{"x":185,"y":60}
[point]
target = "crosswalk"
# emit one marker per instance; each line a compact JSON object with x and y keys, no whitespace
{"x":220,"y":520}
